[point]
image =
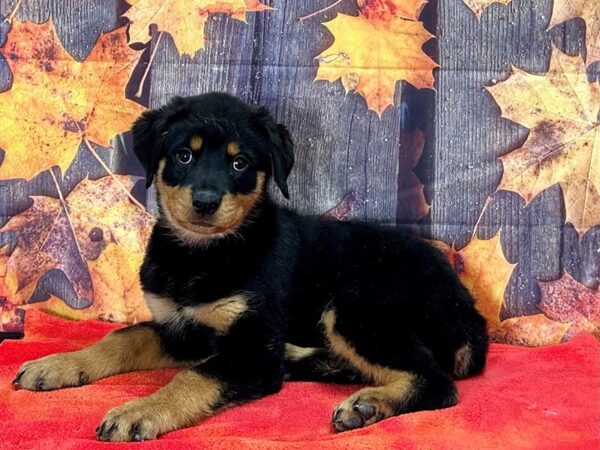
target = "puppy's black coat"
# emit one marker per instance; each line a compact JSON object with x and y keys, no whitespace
{"x":245,"y":293}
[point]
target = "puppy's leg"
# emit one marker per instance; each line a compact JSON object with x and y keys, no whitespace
{"x":317,"y":364}
{"x":133,"y":348}
{"x":192,"y":395}
{"x":413,"y":382}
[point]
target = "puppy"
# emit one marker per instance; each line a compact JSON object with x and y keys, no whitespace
{"x":245,"y":294}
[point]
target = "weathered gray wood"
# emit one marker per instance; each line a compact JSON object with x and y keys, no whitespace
{"x":340,"y":146}
{"x":470,"y":135}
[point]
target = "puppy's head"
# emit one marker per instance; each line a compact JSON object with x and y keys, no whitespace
{"x":211,"y":156}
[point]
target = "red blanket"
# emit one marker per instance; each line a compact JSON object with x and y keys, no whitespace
{"x":544,"y":398}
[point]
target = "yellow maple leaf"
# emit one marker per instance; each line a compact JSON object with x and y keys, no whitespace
{"x":99,"y":247}
{"x":183,"y":19}
{"x":477,"y":6}
{"x":588,"y":10}
{"x":485,"y":272}
{"x":55,"y":101}
{"x":370,"y":56}
{"x":561,"y":110}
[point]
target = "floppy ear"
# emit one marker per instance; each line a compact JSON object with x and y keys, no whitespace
{"x":148,"y":132}
{"x":281,"y":150}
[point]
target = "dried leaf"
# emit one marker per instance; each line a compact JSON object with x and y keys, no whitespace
{"x":477,"y":6}
{"x":407,"y":9}
{"x":371,"y":53}
{"x":483,"y":269}
{"x":563,"y":146}
{"x":55,"y":101}
{"x":101,"y":220}
{"x":587,"y":10}
{"x":184,"y":19}
{"x":344,"y":209}
{"x":567,"y":300}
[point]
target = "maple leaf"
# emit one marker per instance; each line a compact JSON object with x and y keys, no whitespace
{"x":408,"y":9}
{"x":55,"y":101}
{"x":587,"y":10}
{"x":484,"y":271}
{"x":371,"y":53}
{"x":567,"y":300}
{"x":185,"y":20}
{"x":344,"y":209}
{"x":561,"y":111}
{"x":477,"y":6}
{"x":101,"y":217}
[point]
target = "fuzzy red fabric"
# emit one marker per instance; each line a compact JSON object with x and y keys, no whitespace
{"x":543,"y":398}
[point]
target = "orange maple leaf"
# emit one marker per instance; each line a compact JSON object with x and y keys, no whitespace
{"x":101,"y":217}
{"x":561,"y":110}
{"x":567,"y":300}
{"x":477,"y":6}
{"x":484,"y":270}
{"x":588,"y":10}
{"x":372,"y":52}
{"x":184,"y":19}
{"x":407,"y":9}
{"x":56,"y":101}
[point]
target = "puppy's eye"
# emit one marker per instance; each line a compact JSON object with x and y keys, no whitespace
{"x":184,"y":156}
{"x":240,"y":163}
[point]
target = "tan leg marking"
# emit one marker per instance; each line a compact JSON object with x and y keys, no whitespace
{"x":462,"y":361}
{"x":133,"y":348}
{"x":371,"y":404}
{"x":162,"y":308}
{"x":221,"y":314}
{"x":187,"y":399}
{"x":295,"y":353}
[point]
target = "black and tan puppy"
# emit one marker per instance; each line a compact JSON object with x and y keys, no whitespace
{"x":245,"y":293}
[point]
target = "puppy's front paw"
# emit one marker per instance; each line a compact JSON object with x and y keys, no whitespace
{"x":137,"y":420}
{"x":360,"y":410}
{"x":52,"y":372}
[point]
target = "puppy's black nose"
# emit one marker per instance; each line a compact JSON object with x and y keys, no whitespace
{"x":206,"y":203}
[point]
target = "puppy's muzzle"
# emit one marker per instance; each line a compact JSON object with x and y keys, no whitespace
{"x":206,"y":203}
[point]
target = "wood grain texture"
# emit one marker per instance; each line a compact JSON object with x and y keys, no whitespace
{"x":471,"y":135}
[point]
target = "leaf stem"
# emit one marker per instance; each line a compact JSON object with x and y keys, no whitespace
{"x":13,"y":11}
{"x":66,"y":208}
{"x":111,"y":173}
{"x":308,"y":16}
{"x":138,"y":93}
{"x":488,"y":200}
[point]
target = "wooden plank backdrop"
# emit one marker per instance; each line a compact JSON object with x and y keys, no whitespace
{"x":343,"y":148}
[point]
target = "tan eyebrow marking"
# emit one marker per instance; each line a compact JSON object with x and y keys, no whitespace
{"x":196,"y":143}
{"x":233,"y":148}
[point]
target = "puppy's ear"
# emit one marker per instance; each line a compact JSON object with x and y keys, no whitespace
{"x":281,"y":149}
{"x":148,"y":135}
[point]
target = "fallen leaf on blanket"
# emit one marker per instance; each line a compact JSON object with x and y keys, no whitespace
{"x":55,"y":100}
{"x":560,"y":109}
{"x":485,"y":272}
{"x":185,"y":20}
{"x":567,"y":300}
{"x":477,"y":6}
{"x":101,"y":220}
{"x":374,"y":50}
{"x":587,"y":10}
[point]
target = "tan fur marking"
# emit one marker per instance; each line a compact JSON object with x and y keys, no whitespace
{"x":163,"y":309}
{"x":295,"y":353}
{"x":233,"y":148}
{"x":379,"y":374}
{"x":134,"y":348}
{"x":221,"y":314}
{"x":188,"y":398}
{"x":462,"y":361}
{"x":177,"y":205}
{"x":196,"y":143}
